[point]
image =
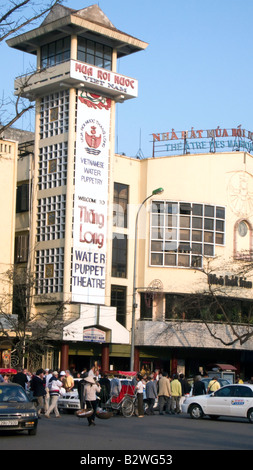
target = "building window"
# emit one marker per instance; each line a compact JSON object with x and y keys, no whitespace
{"x":51,"y":218}
{"x":94,"y":53}
{"x":119,"y":255}
{"x":22,"y":202}
{"x":21,"y":248}
{"x":20,"y":297}
{"x":54,"y":114}
{"x":4,"y":148}
{"x":53,"y":166}
{"x":49,"y":270}
{"x":146,"y":306}
{"x":118,"y":300}
{"x":182,"y":233}
{"x":207,"y":308}
{"x":242,"y":228}
{"x":120,"y":203}
{"x":243,"y":240}
{"x":55,"y":52}
{"x":176,"y":307}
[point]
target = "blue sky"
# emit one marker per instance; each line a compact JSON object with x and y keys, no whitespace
{"x":196,"y":71}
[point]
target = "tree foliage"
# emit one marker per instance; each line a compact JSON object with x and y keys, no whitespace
{"x":29,"y":331}
{"x":15,"y":17}
{"x":224,"y":301}
{"x":221,"y":301}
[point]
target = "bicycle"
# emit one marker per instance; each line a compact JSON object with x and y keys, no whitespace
{"x":124,"y":403}
{"x":129,"y":406}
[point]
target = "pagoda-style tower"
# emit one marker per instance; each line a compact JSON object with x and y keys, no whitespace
{"x":75,"y":89}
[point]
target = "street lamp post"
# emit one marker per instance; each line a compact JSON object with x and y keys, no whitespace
{"x":134,"y":306}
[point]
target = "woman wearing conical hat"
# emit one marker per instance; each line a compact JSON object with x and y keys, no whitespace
{"x":91,"y":388}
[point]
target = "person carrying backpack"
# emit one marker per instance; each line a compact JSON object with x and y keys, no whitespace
{"x":54,"y":386}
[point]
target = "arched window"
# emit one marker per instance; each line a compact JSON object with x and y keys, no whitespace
{"x":243,"y":239}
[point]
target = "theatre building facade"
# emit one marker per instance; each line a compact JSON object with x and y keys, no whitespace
{"x":184,"y":267}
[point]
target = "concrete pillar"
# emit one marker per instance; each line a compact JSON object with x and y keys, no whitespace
{"x":105,"y":357}
{"x":174,"y":365}
{"x":64,"y":356}
{"x":136,"y":359}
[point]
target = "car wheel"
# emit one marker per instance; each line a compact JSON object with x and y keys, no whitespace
{"x":196,"y":412}
{"x":250,"y":415}
{"x":32,"y":432}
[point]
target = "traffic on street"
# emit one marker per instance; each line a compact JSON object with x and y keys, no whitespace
{"x":157,"y":433}
{"x":105,"y":421}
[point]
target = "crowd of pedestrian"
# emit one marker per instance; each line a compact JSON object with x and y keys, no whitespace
{"x":44,"y":386}
{"x":169,"y":391}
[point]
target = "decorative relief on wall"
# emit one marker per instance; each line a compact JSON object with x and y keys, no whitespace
{"x":240,"y":193}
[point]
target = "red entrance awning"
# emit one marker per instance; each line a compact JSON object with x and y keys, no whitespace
{"x":8,"y":371}
{"x":221,"y":367}
{"x":121,"y":372}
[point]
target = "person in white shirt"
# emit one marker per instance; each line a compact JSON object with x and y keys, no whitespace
{"x":54,"y":386}
{"x":48,"y":375}
{"x":91,"y":372}
{"x":139,"y":391}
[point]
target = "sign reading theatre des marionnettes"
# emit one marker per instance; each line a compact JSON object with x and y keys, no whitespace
{"x":90,"y":207}
{"x":202,"y":141}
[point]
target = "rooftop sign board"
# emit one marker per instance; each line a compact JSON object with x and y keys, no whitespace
{"x":202,"y":141}
{"x":101,"y":80}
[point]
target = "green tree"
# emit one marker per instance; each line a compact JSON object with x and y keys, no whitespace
{"x":30,"y":331}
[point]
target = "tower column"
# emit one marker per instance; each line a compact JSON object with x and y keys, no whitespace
{"x":69,"y":196}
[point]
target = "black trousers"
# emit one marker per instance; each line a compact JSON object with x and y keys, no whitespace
{"x":151,"y":402}
{"x":140,"y":404}
{"x":92,"y":404}
{"x":163,"y":401}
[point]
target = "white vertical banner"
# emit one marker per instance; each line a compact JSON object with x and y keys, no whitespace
{"x":90,"y":201}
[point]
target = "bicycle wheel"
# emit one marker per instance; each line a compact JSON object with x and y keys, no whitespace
{"x":127,"y":407}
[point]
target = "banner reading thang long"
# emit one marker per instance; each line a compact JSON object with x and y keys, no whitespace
{"x":90,"y":202}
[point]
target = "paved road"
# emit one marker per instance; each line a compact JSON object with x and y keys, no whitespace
{"x":151,"y":432}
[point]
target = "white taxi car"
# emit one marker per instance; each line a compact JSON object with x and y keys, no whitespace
{"x":234,"y":400}
{"x":70,"y":400}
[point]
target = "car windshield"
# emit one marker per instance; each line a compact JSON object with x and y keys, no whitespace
{"x":9,"y":394}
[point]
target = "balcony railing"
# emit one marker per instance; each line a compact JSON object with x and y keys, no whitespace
{"x":73,"y":73}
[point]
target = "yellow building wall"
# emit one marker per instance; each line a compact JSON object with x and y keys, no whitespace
{"x":8,"y":176}
{"x":223,"y":179}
